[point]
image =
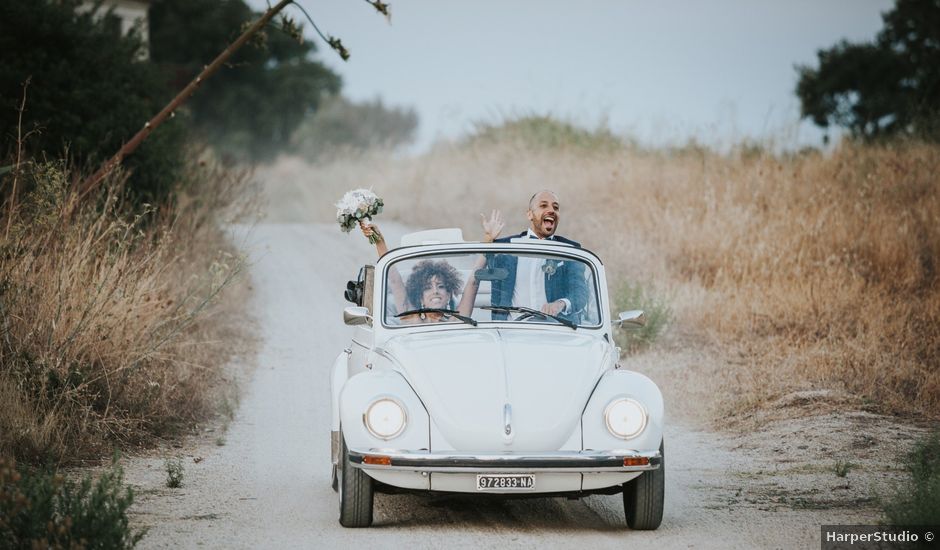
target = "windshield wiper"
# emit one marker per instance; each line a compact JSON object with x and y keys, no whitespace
{"x":529,"y":312}
{"x":445,"y":312}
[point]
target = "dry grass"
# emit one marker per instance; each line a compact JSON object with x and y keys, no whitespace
{"x":112,"y":332}
{"x":804,"y":271}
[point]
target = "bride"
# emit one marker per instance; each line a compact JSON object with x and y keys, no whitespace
{"x":432,"y":285}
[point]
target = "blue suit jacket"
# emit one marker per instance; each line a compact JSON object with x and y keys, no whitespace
{"x":567,"y":281}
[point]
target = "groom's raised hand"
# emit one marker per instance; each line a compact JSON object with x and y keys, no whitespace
{"x":492,"y":227}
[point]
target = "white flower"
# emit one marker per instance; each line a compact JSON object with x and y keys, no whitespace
{"x":355,"y":205}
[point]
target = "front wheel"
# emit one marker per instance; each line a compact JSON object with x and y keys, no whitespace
{"x":355,"y":493}
{"x":643,"y":497}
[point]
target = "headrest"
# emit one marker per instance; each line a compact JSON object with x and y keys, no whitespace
{"x":433,"y":236}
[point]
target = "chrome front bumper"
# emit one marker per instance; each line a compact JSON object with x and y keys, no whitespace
{"x":559,"y":461}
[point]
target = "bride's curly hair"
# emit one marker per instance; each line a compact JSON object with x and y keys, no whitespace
{"x":421,"y":276}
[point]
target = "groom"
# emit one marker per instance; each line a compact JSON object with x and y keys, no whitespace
{"x":560,"y":290}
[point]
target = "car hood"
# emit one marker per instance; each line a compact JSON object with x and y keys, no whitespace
{"x":466,"y":378}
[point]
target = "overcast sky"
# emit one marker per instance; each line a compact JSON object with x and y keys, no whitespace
{"x":659,"y":70}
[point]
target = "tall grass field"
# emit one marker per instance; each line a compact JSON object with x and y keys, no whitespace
{"x":112,"y":333}
{"x":803,"y":270}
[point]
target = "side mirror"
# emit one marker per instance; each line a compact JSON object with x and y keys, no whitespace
{"x":356,"y":315}
{"x":353,"y":292}
{"x":635,"y":318}
{"x":359,"y":291}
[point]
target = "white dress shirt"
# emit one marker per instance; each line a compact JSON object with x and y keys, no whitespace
{"x":530,"y":282}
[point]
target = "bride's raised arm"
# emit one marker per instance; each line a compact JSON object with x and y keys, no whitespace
{"x":395,"y":282}
{"x":370,"y":230}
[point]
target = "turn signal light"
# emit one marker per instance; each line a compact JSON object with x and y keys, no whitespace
{"x":636,"y":461}
{"x":377,"y":460}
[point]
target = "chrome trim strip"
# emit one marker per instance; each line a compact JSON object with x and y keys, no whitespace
{"x":558,"y":461}
{"x":334,"y":447}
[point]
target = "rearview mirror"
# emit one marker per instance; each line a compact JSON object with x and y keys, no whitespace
{"x":356,"y":315}
{"x":494,"y":274}
{"x":635,"y":318}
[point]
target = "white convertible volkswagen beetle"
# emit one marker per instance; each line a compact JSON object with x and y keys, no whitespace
{"x":449,"y":387}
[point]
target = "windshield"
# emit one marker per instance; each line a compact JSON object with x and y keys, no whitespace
{"x":497,"y":287}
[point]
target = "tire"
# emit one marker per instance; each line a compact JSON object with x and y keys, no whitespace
{"x":355,"y":493}
{"x":643,"y":497}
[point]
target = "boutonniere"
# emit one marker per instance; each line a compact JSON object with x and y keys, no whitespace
{"x":550,"y":267}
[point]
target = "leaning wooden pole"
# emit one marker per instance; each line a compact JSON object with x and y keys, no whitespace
{"x":92,"y":182}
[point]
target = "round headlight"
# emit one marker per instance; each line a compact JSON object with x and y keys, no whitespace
{"x":385,"y":418}
{"x":625,"y":418}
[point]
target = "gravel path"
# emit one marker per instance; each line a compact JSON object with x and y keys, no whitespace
{"x":268,"y":485}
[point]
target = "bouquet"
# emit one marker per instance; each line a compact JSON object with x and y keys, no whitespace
{"x":357,"y":205}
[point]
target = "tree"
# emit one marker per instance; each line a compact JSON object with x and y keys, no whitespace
{"x":341,"y":125}
{"x":887,"y":87}
{"x":250,"y":108}
{"x":89,"y":91}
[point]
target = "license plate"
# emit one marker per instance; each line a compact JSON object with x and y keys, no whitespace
{"x":506,"y":482}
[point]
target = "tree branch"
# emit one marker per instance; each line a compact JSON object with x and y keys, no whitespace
{"x":92,"y":182}
{"x":19,"y":156}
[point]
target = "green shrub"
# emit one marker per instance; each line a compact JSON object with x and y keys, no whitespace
{"x":918,"y":501}
{"x":174,"y":472}
{"x":842,"y":468}
{"x":46,"y":510}
{"x":657,"y":312}
{"x":546,"y":132}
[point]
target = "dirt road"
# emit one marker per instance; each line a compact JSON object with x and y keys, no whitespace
{"x":267,"y":483}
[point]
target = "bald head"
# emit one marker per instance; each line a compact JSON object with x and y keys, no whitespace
{"x":539,"y":194}
{"x":543,"y":213}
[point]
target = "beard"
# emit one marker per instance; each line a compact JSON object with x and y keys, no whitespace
{"x":548,"y":226}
